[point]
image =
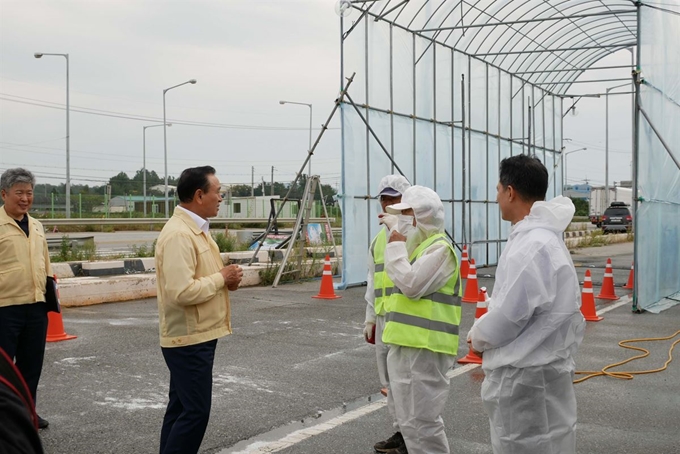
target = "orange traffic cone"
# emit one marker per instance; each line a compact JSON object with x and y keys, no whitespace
{"x":587,"y":300}
{"x":481,"y":310}
{"x":55,"y":324}
{"x":631,"y":277}
{"x":464,"y":264}
{"x":471,"y":289}
{"x":607,"y":290}
{"x":55,"y":328}
{"x":326,"y":292}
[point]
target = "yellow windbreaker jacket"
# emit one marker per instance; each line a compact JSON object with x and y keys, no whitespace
{"x":193,"y":303}
{"x":24,"y":262}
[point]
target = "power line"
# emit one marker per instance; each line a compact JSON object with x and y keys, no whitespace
{"x":88,"y":155}
{"x":600,"y":148}
{"x":157,"y":105}
{"x":126,"y":116}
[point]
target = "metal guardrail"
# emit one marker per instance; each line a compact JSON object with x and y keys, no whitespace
{"x":55,"y":243}
{"x":149,"y":221}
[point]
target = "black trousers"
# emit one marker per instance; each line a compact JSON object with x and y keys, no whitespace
{"x":23,"y":329}
{"x":188,"y":412}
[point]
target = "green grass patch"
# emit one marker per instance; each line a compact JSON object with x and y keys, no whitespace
{"x":71,"y":252}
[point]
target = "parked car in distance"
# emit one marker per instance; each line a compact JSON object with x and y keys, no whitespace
{"x":617,"y":218}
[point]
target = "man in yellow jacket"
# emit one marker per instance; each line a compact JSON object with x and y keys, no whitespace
{"x":24,"y":266}
{"x":193,"y":305}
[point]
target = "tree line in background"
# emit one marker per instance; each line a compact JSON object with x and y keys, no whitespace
{"x":121,"y":184}
{"x":582,"y":206}
{"x":281,"y":189}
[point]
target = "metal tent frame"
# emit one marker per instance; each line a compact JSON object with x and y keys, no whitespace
{"x":532,"y":52}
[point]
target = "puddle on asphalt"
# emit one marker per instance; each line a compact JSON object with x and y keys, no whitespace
{"x":310,"y":421}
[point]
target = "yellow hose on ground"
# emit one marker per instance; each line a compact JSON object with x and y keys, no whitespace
{"x":628,"y":375}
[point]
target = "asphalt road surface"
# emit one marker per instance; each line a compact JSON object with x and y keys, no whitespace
{"x":297,"y":372}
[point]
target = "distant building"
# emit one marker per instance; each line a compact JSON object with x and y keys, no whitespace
{"x":231,"y":207}
{"x":124,"y":204}
{"x":160,"y":188}
{"x":255,"y":207}
{"x":578,"y":191}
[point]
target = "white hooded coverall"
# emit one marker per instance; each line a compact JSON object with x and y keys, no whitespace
{"x":418,"y":378}
{"x":400,"y":184}
{"x":529,"y":335}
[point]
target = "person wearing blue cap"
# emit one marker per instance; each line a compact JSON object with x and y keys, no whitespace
{"x":379,"y":287}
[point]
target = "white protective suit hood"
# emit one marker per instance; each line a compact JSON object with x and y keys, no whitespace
{"x":397,"y":182}
{"x":554,"y":215}
{"x":427,"y":208}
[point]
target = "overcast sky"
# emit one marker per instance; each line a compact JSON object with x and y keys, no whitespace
{"x":246,"y":55}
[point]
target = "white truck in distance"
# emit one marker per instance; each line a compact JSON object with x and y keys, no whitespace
{"x":598,"y":202}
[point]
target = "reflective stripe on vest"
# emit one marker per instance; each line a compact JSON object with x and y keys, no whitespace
{"x":430,"y":322}
{"x":382,"y":284}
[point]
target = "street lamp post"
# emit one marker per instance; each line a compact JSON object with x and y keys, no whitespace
{"x":165,"y":144}
{"x":309,"y":167}
{"x":144,"y":128}
{"x":68,"y":134}
{"x":606,"y":144}
{"x":564,"y":164}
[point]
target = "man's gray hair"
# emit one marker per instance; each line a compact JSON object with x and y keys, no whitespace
{"x":10,"y":177}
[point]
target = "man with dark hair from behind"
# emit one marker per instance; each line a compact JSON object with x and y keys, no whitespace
{"x":193,"y":305}
{"x":533,"y":326}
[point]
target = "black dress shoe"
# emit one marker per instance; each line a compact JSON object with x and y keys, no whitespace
{"x":42,"y":423}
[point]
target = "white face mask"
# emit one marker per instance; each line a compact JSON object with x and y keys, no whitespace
{"x":405,"y":224}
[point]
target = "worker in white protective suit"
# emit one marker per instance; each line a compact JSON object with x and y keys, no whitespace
{"x":378,"y":288}
{"x":533,"y":326}
{"x":422,"y":318}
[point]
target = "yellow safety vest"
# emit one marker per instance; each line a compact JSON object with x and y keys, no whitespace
{"x":382,"y":284}
{"x":430,"y":322}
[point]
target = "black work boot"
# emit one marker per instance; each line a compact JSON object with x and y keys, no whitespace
{"x":42,"y":423}
{"x":390,"y":445}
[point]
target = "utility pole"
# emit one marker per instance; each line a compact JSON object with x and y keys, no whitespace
{"x":252,"y":182}
{"x":272,"y":188}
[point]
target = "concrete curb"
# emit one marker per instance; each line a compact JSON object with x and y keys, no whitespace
{"x":88,"y":290}
{"x":103,"y":268}
{"x":578,"y":233}
{"x":85,"y":291}
{"x":62,"y":270}
{"x":608,"y":239}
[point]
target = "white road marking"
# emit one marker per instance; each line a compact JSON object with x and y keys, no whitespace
{"x":461,"y":370}
{"x":624,"y":300}
{"x":303,"y":434}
